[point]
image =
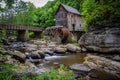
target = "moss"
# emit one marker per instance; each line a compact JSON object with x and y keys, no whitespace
{"x":75,"y":43}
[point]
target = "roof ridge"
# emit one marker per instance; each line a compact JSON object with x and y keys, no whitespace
{"x":71,"y":9}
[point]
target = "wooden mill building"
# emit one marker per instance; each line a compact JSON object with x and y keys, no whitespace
{"x":68,"y":17}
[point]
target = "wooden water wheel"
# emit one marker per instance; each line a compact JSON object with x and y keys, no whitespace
{"x":63,"y":34}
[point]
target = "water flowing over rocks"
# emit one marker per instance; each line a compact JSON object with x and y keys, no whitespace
{"x":103,"y":40}
{"x":36,"y":56}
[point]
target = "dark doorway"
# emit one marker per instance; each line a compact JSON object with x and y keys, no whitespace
{"x":73,"y":25}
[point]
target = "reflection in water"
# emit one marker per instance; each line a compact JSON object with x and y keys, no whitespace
{"x":67,"y":59}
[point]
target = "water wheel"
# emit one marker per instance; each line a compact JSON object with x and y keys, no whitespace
{"x":63,"y":34}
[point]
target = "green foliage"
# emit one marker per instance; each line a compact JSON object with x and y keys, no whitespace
{"x":22,"y":13}
{"x":94,"y":12}
{"x":46,"y":14}
{"x":2,"y":35}
{"x":31,"y":34}
{"x":101,"y":13}
{"x":75,"y":43}
{"x":28,"y":15}
{"x":6,"y":72}
{"x":60,"y":74}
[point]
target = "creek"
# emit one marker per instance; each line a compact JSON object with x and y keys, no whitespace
{"x":69,"y":59}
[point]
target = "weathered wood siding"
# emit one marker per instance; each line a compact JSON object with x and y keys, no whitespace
{"x":61,"y":17}
{"x":75,"y":23}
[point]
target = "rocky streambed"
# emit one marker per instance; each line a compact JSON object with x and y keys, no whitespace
{"x":37,"y":56}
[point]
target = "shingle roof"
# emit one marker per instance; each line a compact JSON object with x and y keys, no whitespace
{"x":71,"y":9}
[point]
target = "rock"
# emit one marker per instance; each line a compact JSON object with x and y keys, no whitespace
{"x":12,"y":38}
{"x":105,"y":40}
{"x":36,"y":61}
{"x":48,"y":52}
{"x":33,"y":55}
{"x":60,"y":50}
{"x":83,"y":49}
{"x":117,"y":58}
{"x":5,"y":41}
{"x":36,"y":55}
{"x":63,"y":73}
{"x":52,"y":46}
{"x":71,"y":37}
{"x":92,"y":75}
{"x":10,"y":60}
{"x":76,"y":76}
{"x":73,"y":48}
{"x":102,"y":75}
{"x":29,"y":49}
{"x":3,"y":51}
{"x":23,"y":47}
{"x":19,"y":56}
{"x":29,"y":64}
{"x":80,"y":67}
{"x":41,"y":53}
{"x":4,"y":58}
{"x":29,"y":72}
{"x":101,"y":63}
{"x":39,"y":42}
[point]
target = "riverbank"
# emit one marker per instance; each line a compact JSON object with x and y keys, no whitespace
{"x":37,"y":56}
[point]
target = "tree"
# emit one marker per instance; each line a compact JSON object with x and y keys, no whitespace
{"x":46,"y":14}
{"x":101,"y":13}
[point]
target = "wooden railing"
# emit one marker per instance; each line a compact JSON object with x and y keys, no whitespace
{"x":14,"y":27}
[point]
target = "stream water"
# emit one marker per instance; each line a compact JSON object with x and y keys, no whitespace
{"x":69,"y":59}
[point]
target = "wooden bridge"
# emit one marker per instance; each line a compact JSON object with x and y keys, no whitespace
{"x":14,"y":27}
{"x":56,"y":31}
{"x":22,"y":31}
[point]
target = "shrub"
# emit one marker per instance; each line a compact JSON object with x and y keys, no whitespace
{"x":61,"y":73}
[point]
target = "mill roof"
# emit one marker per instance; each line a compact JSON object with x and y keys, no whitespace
{"x":71,"y":9}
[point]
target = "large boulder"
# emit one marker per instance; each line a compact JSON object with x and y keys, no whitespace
{"x":35,"y":55}
{"x":72,"y":48}
{"x":60,"y":50}
{"x":105,"y":40}
{"x":80,"y":67}
{"x":19,"y":56}
{"x":101,"y":63}
{"x":41,"y":53}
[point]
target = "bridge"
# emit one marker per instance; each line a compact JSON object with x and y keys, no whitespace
{"x":22,"y":31}
{"x":56,"y":31}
